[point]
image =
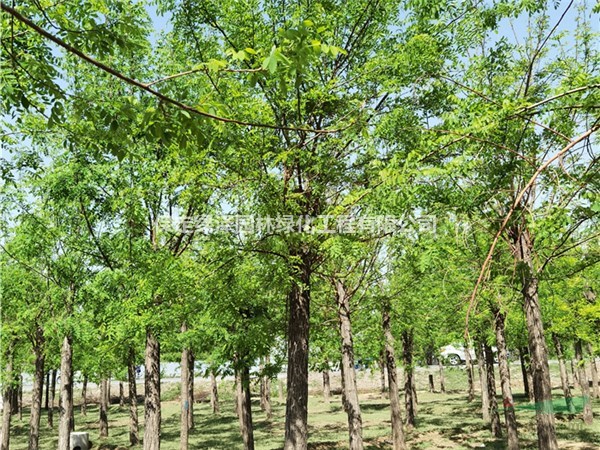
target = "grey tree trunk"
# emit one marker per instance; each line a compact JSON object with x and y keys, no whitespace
{"x":491,"y":383}
{"x":504,"y":369}
{"x":265,"y":391}
{"x":52,"y":397}
{"x":37,"y":392}
{"x":563,"y":374}
{"x":46,"y":399}
{"x":121,"y":394}
{"x":296,"y":412}
{"x":483,"y":382}
{"x":134,"y":435}
{"x":524,"y":358}
{"x":442,"y":377}
{"x":103,"y":423}
{"x":244,"y":406}
{"x":84,"y":396}
{"x":349,"y":389}
{"x":7,"y":399}
{"x":191,"y":363}
{"x":469,"y":368}
{"x":66,"y":394}
{"x":398,"y":442}
{"x":381,"y":364}
{"x":594,"y":371}
{"x":185,"y":396}
{"x":588,"y":416}
{"x":542,"y":387}
{"x":326,"y":387}
{"x":214,"y":393}
{"x":407,"y":356}
{"x":21,"y":394}
{"x":152,"y":393}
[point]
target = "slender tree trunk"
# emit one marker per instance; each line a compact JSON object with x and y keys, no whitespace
{"x":326,"y":387}
{"x":381,"y":364}
{"x":121,"y":395}
{"x":103,"y":424}
{"x":407,"y":356}
{"x":524,"y":358}
{"x":152,"y":393}
{"x":66,"y":394}
{"x":265,"y":390}
{"x":588,"y":416}
{"x":349,"y":389}
{"x":504,"y":369}
{"x":84,"y":396}
{"x":21,"y":395}
{"x":491,"y":383}
{"x":185,"y":396}
{"x":442,"y":377}
{"x":483,"y":381}
{"x":296,"y":414}
{"x":574,"y":373}
{"x":542,"y":387}
{"x":14,"y":402}
{"x":563,"y":374}
{"x":244,"y":406}
{"x":47,"y":400}
{"x":431,"y":384}
{"x":469,"y":368}
{"x":52,"y":397}
{"x":214,"y":393}
{"x":7,"y":399}
{"x":594,"y":371}
{"x":191,"y":363}
{"x":398,"y":442}
{"x":37,"y":392}
{"x":134,"y":435}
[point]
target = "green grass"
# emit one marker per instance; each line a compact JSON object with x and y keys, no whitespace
{"x":443,"y":421}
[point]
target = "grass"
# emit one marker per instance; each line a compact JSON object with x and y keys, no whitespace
{"x":443,"y":421}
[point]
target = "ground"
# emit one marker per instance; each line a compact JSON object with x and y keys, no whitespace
{"x":444,"y":421}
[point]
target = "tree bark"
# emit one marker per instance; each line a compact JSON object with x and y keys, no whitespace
{"x":244,"y":406}
{"x":296,"y":414}
{"x":265,"y":390}
{"x":563,"y":374}
{"x":491,"y":383}
{"x":21,"y":395}
{"x":594,"y":370}
{"x":326,"y":387}
{"x":349,"y":389}
{"x":407,"y":356}
{"x":381,"y":364}
{"x":52,"y":397}
{"x":469,"y":368}
{"x":84,"y":396}
{"x":431,"y":384}
{"x":185,"y":396}
{"x":121,"y":394}
{"x":191,"y":363}
{"x":398,"y":442}
{"x":37,"y":391}
{"x":134,"y":435}
{"x":214,"y":393}
{"x":483,"y":382}
{"x":504,"y":369}
{"x":542,"y":387}
{"x":7,"y":399}
{"x":588,"y":416}
{"x":524,"y":358}
{"x":47,"y":400}
{"x":442,"y":378}
{"x":66,"y":394}
{"x":103,"y":423}
{"x":152,"y":392}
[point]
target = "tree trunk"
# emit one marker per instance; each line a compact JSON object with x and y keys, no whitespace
{"x":574,"y":373}
{"x":84,"y":396}
{"x":326,"y":387}
{"x":14,"y":401}
{"x":296,"y":413}
{"x":349,"y":389}
{"x":504,"y":369}
{"x":191,"y":363}
{"x":542,"y":387}
{"x":52,"y":397}
{"x":66,"y":394}
{"x":47,"y":400}
{"x":103,"y":423}
{"x":588,"y":416}
{"x":524,"y":358}
{"x":491,"y":383}
{"x":265,"y":390}
{"x":594,"y":371}
{"x":469,"y":368}
{"x":214,"y":393}
{"x":134,"y":436}
{"x":185,"y":396}
{"x":398,"y":442}
{"x":381,"y":364}
{"x":242,"y":376}
{"x":563,"y":374}
{"x":121,"y":395}
{"x":431,"y":385}
{"x":21,"y":395}
{"x":152,"y":393}
{"x":37,"y":392}
{"x":442,"y":378}
{"x":7,"y":399}
{"x":407,"y":356}
{"x":483,"y":381}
